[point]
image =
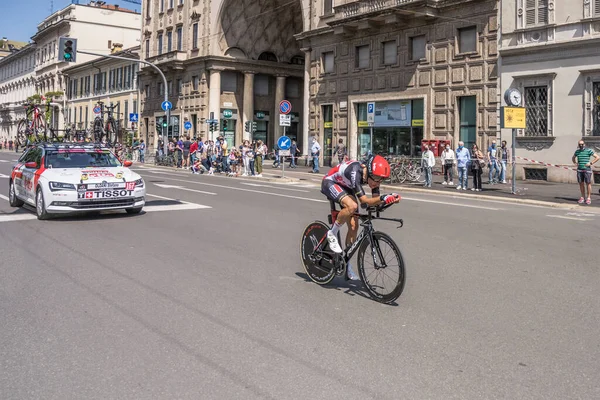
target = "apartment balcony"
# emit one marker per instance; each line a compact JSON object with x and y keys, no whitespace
{"x":363,"y":14}
{"x":173,"y":60}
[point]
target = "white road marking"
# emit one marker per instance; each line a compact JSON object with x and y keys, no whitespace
{"x":182,"y":188}
{"x":577,"y":214}
{"x":274,"y":187}
{"x":4,"y":161}
{"x":451,"y":204}
{"x":4,"y":176}
{"x":571,"y":218}
{"x":16,"y":217}
{"x":249,"y":190}
{"x":3,"y":197}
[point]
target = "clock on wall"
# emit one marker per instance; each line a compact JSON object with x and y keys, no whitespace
{"x":513,"y":97}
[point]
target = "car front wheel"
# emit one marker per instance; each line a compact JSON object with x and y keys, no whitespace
{"x":40,"y":206}
{"x":13,"y":200}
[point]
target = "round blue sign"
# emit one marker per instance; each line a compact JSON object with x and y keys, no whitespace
{"x":166,"y":105}
{"x":285,"y":107}
{"x":97,"y":110}
{"x":284,"y":143}
{"x":187,"y":125}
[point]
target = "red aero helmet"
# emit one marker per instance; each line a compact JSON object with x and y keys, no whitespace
{"x":378,"y":166}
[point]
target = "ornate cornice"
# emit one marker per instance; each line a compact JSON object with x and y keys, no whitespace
{"x":536,"y":143}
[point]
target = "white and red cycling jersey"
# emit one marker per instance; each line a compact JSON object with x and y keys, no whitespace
{"x":349,"y":175}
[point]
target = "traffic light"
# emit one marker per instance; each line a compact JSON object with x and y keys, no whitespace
{"x":247,"y":126}
{"x":67,"y":49}
{"x":254,"y":127}
{"x":224,"y":124}
{"x":165,"y":123}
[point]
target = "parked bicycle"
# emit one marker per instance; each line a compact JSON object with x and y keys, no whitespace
{"x":106,"y":132}
{"x":32,"y":128}
{"x":322,"y":264}
{"x":406,"y":170}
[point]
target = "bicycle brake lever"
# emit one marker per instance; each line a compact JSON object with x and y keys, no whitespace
{"x":401,"y":224}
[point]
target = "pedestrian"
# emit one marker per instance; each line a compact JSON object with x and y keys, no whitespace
{"x":448,"y":162}
{"x":258,"y":158}
{"x":477,"y":164}
{"x":427,"y":162}
{"x":293,"y":151}
{"x":493,"y":162}
{"x":250,"y":155}
{"x":463,"y":158}
{"x":506,"y":158}
{"x":142,"y":150}
{"x":186,"y":146}
{"x":315,"y":152}
{"x":340,"y":151}
{"x":583,"y":158}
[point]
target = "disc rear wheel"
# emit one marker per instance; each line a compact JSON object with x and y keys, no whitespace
{"x":382,"y":271}
{"x":317,"y":259}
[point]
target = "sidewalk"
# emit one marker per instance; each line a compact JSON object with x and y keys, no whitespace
{"x":562,"y":193}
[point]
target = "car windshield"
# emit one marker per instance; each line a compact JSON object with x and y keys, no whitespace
{"x":81,"y":159}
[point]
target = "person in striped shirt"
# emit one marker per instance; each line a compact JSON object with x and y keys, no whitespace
{"x":583,"y":158}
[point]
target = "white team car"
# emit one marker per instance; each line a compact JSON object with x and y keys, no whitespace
{"x":66,"y":178}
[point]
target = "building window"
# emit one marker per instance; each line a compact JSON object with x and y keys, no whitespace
{"x":536,"y":109}
{"x":327,"y":7}
{"x":135,"y":110}
{"x":160,"y":44}
{"x":87,"y":113}
{"x":170,"y":4}
{"x":261,"y":85}
{"x":229,"y":81}
{"x":536,"y":12}
{"x":162,"y":5}
{"x":148,"y":5}
{"x":161,"y":89}
{"x":292,"y":88}
{"x":195,"y":36}
{"x":180,"y":2}
{"x":179,"y":86}
{"x":147,"y":48}
{"x":327,"y":60}
{"x":596,"y":8}
{"x":596,"y":97}
{"x":125,"y":112}
{"x":362,"y":56}
{"x":195,"y":82}
{"x":169,"y":41}
{"x":179,"y":38}
{"x":417,"y":48}
{"x":467,"y":40}
{"x":170,"y":86}
{"x":147,"y":91}
{"x":390,"y":52}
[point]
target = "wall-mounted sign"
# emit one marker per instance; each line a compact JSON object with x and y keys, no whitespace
{"x":227,"y":113}
{"x":227,"y":104}
{"x":363,"y":124}
{"x":327,"y":125}
{"x":513,"y":117}
{"x":417,"y":122}
{"x":393,"y":113}
{"x":260,"y":115}
{"x":343,"y":105}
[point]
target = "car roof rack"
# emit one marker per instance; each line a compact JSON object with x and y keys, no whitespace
{"x":71,"y":145}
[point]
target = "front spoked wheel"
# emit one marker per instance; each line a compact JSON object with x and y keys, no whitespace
{"x":381,"y":268}
{"x":318,"y":260}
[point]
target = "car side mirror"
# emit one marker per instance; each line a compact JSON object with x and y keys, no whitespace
{"x":127,"y":163}
{"x":31,"y":164}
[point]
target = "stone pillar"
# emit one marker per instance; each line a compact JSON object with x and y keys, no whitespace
{"x":214,"y":98}
{"x":279,"y":96}
{"x":248,"y":107}
{"x":306,"y":103}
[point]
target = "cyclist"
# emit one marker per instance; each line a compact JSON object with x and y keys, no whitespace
{"x":343,"y":184}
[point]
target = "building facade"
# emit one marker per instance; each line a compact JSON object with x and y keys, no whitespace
{"x":109,"y":80}
{"x":17,"y":83}
{"x":232,"y":60}
{"x":550,"y":51}
{"x":7,"y":47}
{"x":96,"y":26}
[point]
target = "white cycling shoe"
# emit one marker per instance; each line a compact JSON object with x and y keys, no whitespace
{"x":333,"y":243}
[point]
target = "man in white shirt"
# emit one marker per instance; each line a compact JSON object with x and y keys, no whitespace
{"x":448,"y":162}
{"x":428,"y":162}
{"x":315,"y":152}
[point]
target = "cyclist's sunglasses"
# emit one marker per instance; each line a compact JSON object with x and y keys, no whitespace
{"x":377,"y":178}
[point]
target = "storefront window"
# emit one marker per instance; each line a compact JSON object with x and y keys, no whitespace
{"x":397,"y":131}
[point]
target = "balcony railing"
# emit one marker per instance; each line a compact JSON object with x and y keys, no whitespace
{"x":353,"y":8}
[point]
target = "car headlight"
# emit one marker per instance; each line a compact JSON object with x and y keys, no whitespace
{"x":139,"y":183}
{"x":54,"y":186}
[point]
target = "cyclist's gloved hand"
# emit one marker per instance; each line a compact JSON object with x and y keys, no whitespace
{"x":390,"y":198}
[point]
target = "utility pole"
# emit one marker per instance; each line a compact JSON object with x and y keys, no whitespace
{"x":164,"y":134}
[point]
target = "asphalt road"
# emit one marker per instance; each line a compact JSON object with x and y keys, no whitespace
{"x":204,"y":297}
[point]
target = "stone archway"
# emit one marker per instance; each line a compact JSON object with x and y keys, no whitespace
{"x":257,"y":27}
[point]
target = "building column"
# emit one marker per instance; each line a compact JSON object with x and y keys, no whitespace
{"x":306,"y":102}
{"x":279,"y":96}
{"x":214,"y":98}
{"x":248,"y":106}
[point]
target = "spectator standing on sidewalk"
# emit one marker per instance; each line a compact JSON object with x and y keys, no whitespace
{"x":293,"y":151}
{"x":315,"y":152}
{"x":477,"y":164}
{"x":427,"y":162}
{"x":506,"y":157}
{"x":258,"y":158}
{"x":142,"y":150}
{"x":340,"y":151}
{"x":245,"y":160}
{"x":583,"y":158}
{"x":448,"y":162}
{"x":492,"y":156}
{"x":179,"y":152}
{"x":463,"y":158}
{"x":250,"y":155}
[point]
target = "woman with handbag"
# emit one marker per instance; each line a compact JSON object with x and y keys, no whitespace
{"x":477,"y":162}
